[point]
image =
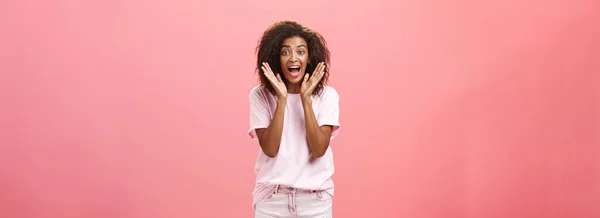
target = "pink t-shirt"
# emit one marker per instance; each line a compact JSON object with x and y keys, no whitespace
{"x":293,"y":166}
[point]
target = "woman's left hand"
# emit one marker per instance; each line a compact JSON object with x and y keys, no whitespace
{"x":309,"y":84}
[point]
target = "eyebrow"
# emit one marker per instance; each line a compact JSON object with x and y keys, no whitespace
{"x":287,"y":46}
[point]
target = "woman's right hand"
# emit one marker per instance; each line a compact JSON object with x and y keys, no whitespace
{"x":276,"y":81}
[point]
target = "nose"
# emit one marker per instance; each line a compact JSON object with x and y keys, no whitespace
{"x":294,"y":57}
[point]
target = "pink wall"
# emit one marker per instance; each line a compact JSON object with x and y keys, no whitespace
{"x":450,"y":109}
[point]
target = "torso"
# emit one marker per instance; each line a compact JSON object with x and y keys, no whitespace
{"x":293,"y":166}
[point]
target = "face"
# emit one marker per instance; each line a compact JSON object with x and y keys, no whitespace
{"x":293,"y":57}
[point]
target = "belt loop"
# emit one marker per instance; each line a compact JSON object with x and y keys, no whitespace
{"x":276,"y":189}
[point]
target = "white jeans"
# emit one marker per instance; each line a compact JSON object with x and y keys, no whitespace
{"x":285,"y":202}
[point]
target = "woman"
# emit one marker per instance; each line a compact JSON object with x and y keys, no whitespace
{"x":293,"y":116}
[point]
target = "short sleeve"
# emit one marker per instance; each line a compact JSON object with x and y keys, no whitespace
{"x":260,"y":116}
{"x":329,"y":113}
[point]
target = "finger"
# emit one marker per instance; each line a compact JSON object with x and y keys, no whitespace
{"x":267,"y":67}
{"x":318,"y":72}
{"x":268,"y":74}
{"x":319,"y":67}
{"x":266,"y":71}
{"x":274,"y":77}
{"x":322,"y":72}
{"x":264,"y":66}
{"x":306,"y":75}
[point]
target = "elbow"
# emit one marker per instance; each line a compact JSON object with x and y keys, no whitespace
{"x":319,"y":152}
{"x":268,"y":150}
{"x":271,"y":154}
{"x":317,"y":155}
{"x":320,"y":149}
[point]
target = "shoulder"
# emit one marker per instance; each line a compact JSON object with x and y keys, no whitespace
{"x":259,"y":93}
{"x":328,"y":95}
{"x":258,"y":90}
{"x":330,"y":92}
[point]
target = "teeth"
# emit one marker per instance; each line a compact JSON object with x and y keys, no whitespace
{"x":294,"y":67}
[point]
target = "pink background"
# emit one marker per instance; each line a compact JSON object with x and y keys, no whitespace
{"x":465,"y":109}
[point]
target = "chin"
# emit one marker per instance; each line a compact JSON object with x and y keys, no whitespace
{"x":294,"y":78}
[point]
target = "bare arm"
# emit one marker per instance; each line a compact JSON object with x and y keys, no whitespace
{"x":270,"y":138}
{"x":317,"y":137}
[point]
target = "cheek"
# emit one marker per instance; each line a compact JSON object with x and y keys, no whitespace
{"x":304,"y":60}
{"x":282,"y":61}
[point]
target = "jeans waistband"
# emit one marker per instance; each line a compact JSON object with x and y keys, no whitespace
{"x":288,"y":189}
{"x":291,"y":193}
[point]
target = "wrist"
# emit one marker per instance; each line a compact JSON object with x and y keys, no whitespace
{"x":306,"y":100}
{"x":281,"y":100}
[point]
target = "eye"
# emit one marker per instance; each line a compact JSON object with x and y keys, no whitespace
{"x":284,"y":53}
{"x":300,"y":52}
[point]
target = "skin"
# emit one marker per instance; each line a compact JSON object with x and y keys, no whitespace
{"x":294,"y":52}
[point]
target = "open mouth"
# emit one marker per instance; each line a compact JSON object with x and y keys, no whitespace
{"x":294,"y":70}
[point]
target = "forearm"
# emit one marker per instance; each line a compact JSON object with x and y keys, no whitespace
{"x":271,"y":137}
{"x":316,"y":138}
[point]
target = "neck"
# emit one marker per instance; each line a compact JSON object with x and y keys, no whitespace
{"x":293,"y":88}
